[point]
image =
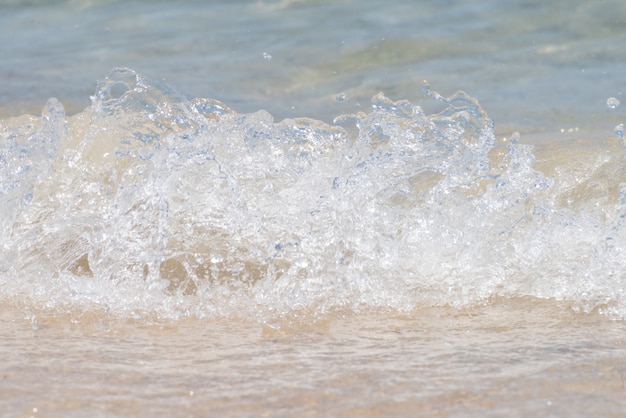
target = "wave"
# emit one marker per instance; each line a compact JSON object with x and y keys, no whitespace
{"x":149,"y":202}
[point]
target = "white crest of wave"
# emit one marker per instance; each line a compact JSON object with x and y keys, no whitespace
{"x":149,"y":202}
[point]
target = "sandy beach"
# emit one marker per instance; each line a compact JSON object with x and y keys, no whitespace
{"x":514,"y":358}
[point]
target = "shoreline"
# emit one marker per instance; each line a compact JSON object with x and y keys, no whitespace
{"x":514,"y":357}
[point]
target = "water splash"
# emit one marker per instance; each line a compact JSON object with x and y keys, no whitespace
{"x":149,"y":202}
{"x":612,"y":102}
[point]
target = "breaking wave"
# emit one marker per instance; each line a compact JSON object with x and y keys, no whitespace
{"x":147,"y":202}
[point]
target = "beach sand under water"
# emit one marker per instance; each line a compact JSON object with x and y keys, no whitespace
{"x":515,"y":357}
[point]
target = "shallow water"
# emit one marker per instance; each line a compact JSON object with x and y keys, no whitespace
{"x":178,"y":240}
{"x":510,"y":358}
{"x":532,"y":65}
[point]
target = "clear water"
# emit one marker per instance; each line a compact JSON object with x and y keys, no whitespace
{"x":283,"y":168}
{"x":532,"y":65}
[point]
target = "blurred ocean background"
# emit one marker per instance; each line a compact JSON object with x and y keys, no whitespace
{"x":533,"y":65}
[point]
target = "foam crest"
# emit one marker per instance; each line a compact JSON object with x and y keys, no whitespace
{"x":149,"y":202}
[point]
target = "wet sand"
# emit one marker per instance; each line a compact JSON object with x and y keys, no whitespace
{"x":523,"y":357}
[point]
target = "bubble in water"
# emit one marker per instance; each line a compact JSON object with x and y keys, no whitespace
{"x":117,"y":90}
{"x":619,"y":130}
{"x":612,"y":102}
{"x":267,"y":56}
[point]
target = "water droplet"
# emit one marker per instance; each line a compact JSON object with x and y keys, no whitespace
{"x":612,"y":102}
{"x":340,"y":97}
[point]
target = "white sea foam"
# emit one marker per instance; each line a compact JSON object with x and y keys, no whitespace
{"x":149,"y":202}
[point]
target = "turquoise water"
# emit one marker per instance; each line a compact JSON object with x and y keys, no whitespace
{"x":532,"y":64}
